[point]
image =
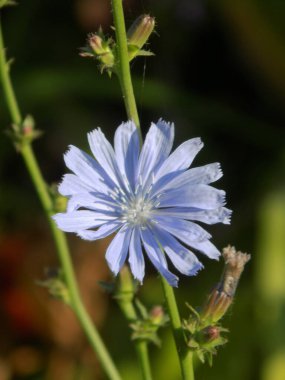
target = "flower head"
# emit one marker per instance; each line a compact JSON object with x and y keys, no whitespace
{"x":148,"y":197}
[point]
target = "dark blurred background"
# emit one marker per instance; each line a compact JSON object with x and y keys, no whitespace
{"x":219,"y":73}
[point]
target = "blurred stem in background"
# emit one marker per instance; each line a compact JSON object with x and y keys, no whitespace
{"x":29,"y":158}
{"x":123,"y":72}
{"x":270,"y":285}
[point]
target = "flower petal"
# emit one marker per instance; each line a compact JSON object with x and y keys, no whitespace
{"x":183,"y":230}
{"x":218,"y":215}
{"x":157,"y":257}
{"x":93,"y":201}
{"x":207,"y":248}
{"x":136,"y":258}
{"x":198,"y":196}
{"x":72,"y":184}
{"x":118,"y":249}
{"x":104,"y":154}
{"x":183,"y":259}
{"x":156,"y":148}
{"x":202,"y":175}
{"x":181,"y":158}
{"x":127,"y":148}
{"x":103,"y":231}
{"x":80,"y":220}
{"x":87,"y":169}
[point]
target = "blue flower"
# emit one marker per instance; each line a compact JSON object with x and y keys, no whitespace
{"x":148,"y":196}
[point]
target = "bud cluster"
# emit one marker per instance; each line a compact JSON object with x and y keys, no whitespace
{"x":23,"y":133}
{"x":147,"y":326}
{"x":104,"y":49}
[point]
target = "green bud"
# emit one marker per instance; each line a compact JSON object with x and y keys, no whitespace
{"x":138,"y":34}
{"x":102,"y":49}
{"x":157,"y":315}
{"x":23,"y":133}
{"x":56,"y":285}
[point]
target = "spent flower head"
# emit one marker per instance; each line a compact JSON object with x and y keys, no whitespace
{"x":147,"y":196}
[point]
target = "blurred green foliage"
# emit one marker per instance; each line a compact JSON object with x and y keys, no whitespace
{"x":219,"y":73}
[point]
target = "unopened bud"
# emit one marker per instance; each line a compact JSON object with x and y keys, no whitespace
{"x":222,"y":296}
{"x":140,"y":30}
{"x":100,"y":48}
{"x":95,"y":43}
{"x":138,"y":34}
{"x":157,"y":315}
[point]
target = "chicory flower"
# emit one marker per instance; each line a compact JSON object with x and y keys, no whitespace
{"x":148,"y":196}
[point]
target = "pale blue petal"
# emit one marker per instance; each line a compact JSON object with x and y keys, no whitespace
{"x":80,"y":220}
{"x":136,"y":258}
{"x":118,"y":249}
{"x":155,"y":150}
{"x":71,"y":184}
{"x":104,"y":154}
{"x":218,"y":215}
{"x":103,"y":231}
{"x":93,"y":202}
{"x":87,"y":169}
{"x":157,"y":257}
{"x":181,"y":158}
{"x":202,"y":175}
{"x":183,"y":259}
{"x":127,"y":149}
{"x":182,"y":229}
{"x":198,"y":196}
{"x":207,"y":248}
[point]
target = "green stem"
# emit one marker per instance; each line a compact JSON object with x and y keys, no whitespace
{"x":58,"y":236}
{"x":123,"y":65}
{"x":124,"y":74}
{"x":124,"y":296}
{"x":184,"y":354}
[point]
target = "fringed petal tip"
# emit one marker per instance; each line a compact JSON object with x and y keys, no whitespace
{"x":226,"y":216}
{"x":197,"y":267}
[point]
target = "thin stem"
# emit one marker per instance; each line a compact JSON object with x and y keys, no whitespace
{"x":58,"y":236}
{"x":124,"y":74}
{"x":124,"y":296}
{"x":123,"y":66}
{"x":185,"y":355}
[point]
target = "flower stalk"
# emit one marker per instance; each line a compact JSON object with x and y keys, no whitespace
{"x":185,"y":355}
{"x":123,"y":66}
{"x":124,"y":296}
{"x":59,"y":238}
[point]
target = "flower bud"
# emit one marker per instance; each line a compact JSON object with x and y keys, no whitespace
{"x":100,"y":48}
{"x":140,"y":30}
{"x":222,"y":296}
{"x":157,"y":315}
{"x":138,"y":34}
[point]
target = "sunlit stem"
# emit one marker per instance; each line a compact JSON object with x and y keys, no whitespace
{"x":58,"y":236}
{"x":184,"y":354}
{"x":122,"y":64}
{"x":124,"y":74}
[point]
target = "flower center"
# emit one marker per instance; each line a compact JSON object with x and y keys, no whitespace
{"x":137,"y":211}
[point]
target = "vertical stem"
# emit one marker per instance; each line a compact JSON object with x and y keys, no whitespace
{"x":123,"y":66}
{"x":124,"y":74}
{"x":184,"y":354}
{"x":58,"y":236}
{"x":124,"y":296}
